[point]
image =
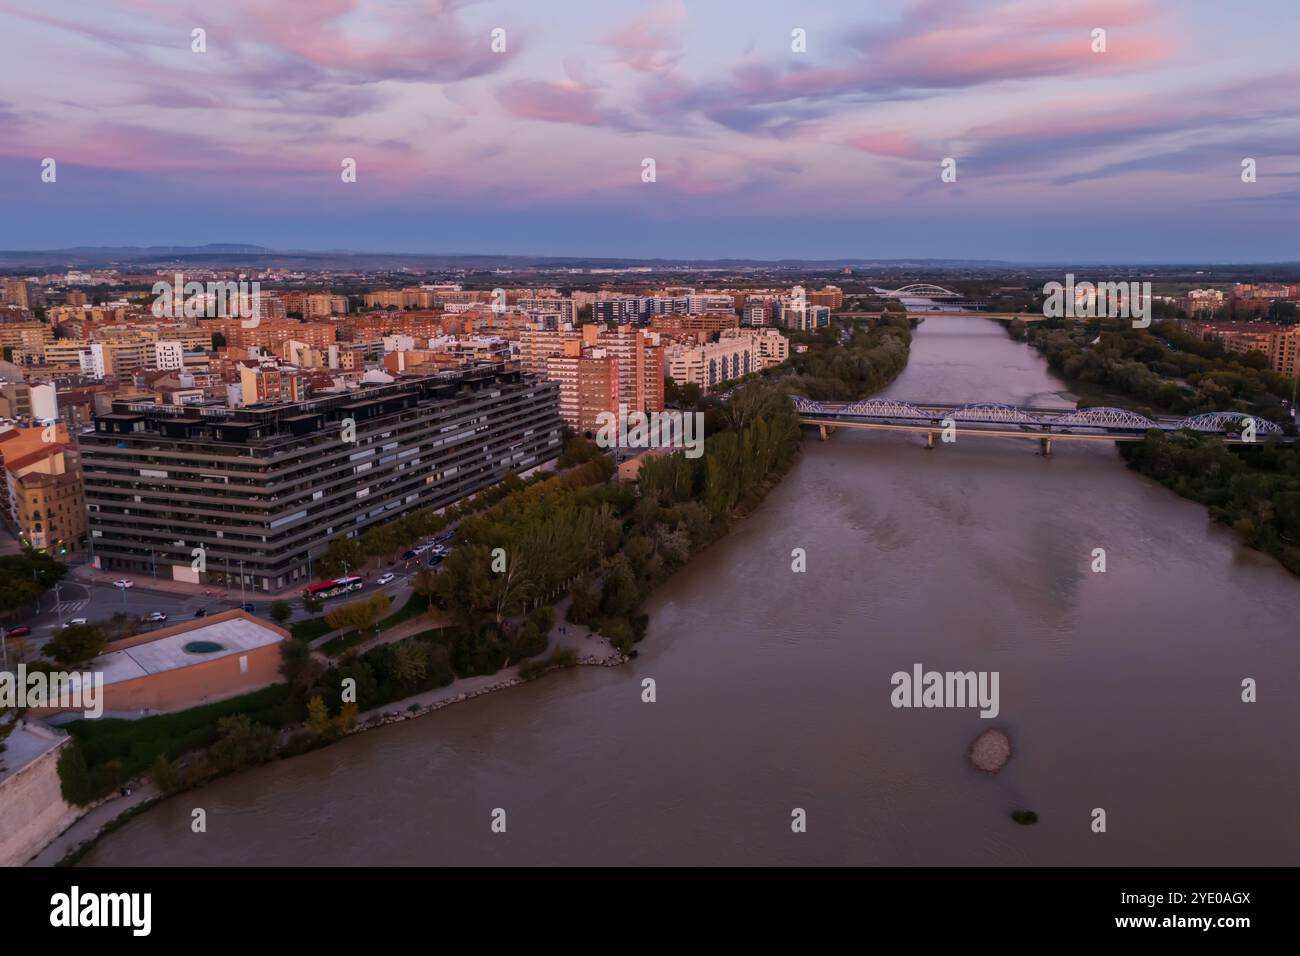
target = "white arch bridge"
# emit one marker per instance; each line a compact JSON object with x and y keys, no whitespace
{"x":920,"y":290}
{"x":996,"y":420}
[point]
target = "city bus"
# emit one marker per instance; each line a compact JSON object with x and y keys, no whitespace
{"x":329,"y":589}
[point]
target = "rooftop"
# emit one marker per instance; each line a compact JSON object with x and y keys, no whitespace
{"x":224,"y":634}
{"x":27,"y":742}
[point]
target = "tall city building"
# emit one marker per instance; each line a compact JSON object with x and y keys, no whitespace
{"x":589,"y":385}
{"x":538,"y":343}
{"x":640,"y":364}
{"x":16,"y":292}
{"x":205,"y":493}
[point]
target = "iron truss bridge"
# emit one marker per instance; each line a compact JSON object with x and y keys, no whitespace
{"x":996,"y":420}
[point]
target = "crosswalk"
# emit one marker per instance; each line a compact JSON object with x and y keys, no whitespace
{"x":67,"y":607}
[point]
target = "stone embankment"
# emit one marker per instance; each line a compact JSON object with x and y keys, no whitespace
{"x":417,"y":709}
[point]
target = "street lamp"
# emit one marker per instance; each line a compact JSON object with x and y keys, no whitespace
{"x":58,"y":609}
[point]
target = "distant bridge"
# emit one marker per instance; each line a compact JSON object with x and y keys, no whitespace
{"x":995,"y":420}
{"x":1000,"y":316}
{"x":921,"y":290}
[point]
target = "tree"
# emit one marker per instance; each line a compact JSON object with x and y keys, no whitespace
{"x":281,"y":611}
{"x":359,"y":615}
{"x":343,"y":556}
{"x":347,"y":718}
{"x":408,"y":662}
{"x":298,"y":665}
{"x":164,"y":776}
{"x":76,"y":644}
{"x":74,"y":775}
{"x":318,"y":715}
{"x":242,"y":742}
{"x":425,"y":584}
{"x":25,"y":577}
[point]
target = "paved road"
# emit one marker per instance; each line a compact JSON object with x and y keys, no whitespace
{"x":99,"y":601}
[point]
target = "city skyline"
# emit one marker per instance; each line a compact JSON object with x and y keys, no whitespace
{"x":761,"y":152}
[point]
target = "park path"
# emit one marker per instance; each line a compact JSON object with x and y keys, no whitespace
{"x":88,"y":826}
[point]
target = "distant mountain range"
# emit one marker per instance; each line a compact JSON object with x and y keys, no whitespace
{"x":247,"y":254}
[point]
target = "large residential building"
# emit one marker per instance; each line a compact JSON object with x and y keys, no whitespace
{"x":700,"y":327}
{"x":537,"y":344}
{"x":640,"y":364}
{"x":1281,"y":343}
{"x":736,"y":353}
{"x":772,"y":348}
{"x":831,"y":296}
{"x":42,"y":500}
{"x":589,"y":385}
{"x":271,"y":333}
{"x":323,"y":305}
{"x":207,"y":493}
{"x":26,"y":337}
{"x":26,"y":400}
{"x":803,"y":316}
{"x":16,"y":292}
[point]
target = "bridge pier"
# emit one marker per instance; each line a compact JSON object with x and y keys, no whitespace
{"x":929,"y":441}
{"x":826,"y":431}
{"x":1046,"y":442}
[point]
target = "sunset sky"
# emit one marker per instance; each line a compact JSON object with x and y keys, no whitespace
{"x":1062,"y":153}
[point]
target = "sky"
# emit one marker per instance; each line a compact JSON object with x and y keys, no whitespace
{"x":760,"y":150}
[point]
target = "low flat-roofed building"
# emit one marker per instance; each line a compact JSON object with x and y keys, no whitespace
{"x":194,"y":662}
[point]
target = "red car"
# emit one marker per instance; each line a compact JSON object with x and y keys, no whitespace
{"x":22,"y":631}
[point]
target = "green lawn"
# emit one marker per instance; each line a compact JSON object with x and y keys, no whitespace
{"x":309,"y":629}
{"x":134,"y":745}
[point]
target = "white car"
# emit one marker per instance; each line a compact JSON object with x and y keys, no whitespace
{"x":123,"y":583}
{"x":74,"y":621}
{"x":157,"y":617}
{"x":386,"y":578}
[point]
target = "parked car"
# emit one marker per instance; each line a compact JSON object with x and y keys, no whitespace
{"x":435,"y":560}
{"x":201,"y":612}
{"x":444,"y":537}
{"x":246,"y":607}
{"x":409,"y":555}
{"x":421,"y":548}
{"x":157,"y":617}
{"x":21,"y":631}
{"x":386,"y":578}
{"x":123,"y":583}
{"x":74,"y":621}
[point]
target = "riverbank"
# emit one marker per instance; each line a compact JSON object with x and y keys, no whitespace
{"x":107,"y":815}
{"x":773,"y":687}
{"x":1253,"y":490}
{"x":696,"y":504}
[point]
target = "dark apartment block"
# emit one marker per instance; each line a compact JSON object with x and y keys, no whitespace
{"x":270,"y":485}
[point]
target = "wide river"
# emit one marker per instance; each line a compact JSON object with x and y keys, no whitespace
{"x":1120,"y":690}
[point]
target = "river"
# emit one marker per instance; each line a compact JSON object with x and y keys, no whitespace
{"x":1120,"y":690}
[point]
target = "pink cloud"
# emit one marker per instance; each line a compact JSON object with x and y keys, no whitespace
{"x":892,"y":143}
{"x":566,"y":101}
